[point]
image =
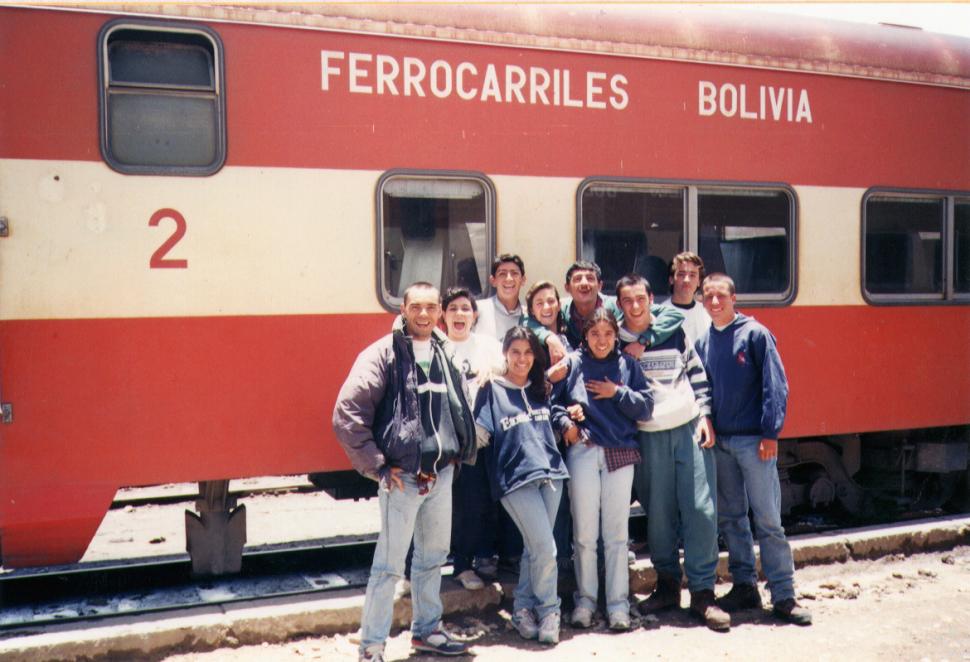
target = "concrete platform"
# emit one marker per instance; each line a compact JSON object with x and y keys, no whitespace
{"x":207,"y":628}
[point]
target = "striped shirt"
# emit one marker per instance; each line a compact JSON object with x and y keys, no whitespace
{"x":676,"y":376}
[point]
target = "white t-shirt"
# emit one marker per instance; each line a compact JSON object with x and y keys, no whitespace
{"x":478,"y":354}
{"x":696,"y":319}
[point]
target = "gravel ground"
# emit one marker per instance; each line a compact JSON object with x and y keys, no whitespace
{"x":895,"y":608}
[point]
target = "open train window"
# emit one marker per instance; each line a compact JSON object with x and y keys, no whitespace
{"x":162,"y":99}
{"x":434,"y":227}
{"x":916,"y":247}
{"x":746,"y":231}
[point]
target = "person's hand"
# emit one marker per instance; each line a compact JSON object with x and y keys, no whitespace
{"x":767,"y":449}
{"x":576,"y":413}
{"x":634,"y":349}
{"x":391,"y":478}
{"x":558,"y":371}
{"x":705,"y":433}
{"x":557,"y":351}
{"x":571,"y":435}
{"x":601,"y":390}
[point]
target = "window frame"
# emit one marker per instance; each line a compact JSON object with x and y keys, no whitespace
{"x":393,"y":303}
{"x":948,"y":296}
{"x":691,"y":187}
{"x":219,"y":90}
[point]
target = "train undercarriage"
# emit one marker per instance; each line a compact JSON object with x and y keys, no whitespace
{"x":877,"y":473}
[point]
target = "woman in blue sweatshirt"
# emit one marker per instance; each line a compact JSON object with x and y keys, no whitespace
{"x":597,"y":407}
{"x":527,"y":473}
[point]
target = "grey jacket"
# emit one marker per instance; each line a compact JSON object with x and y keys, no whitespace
{"x":377,"y":418}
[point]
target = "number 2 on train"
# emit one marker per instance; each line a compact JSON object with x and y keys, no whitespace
{"x":158,"y":259}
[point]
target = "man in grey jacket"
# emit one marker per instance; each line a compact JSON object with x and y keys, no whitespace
{"x":403,"y":420}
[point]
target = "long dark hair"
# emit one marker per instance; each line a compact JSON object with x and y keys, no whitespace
{"x":537,"y":374}
{"x":600,"y":315}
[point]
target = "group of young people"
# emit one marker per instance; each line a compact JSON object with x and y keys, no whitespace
{"x":510,"y":403}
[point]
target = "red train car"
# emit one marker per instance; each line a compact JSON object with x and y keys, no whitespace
{"x":208,"y":211}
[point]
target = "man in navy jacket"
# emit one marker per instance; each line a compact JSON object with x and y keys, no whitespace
{"x":750,"y":395}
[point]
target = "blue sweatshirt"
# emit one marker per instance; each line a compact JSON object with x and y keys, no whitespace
{"x":750,"y":390}
{"x":522,"y":447}
{"x":612,"y":423}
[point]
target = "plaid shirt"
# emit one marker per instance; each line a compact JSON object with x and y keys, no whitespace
{"x":617,"y":458}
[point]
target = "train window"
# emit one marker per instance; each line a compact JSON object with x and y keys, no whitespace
{"x":745,"y":231}
{"x":747,"y":234}
{"x":435,"y":228}
{"x":632,"y":229}
{"x":904,"y":247}
{"x":162,"y":101}
{"x":961,"y":247}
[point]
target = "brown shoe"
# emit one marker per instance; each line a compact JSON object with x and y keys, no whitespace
{"x":741,"y":596}
{"x":703,"y":606}
{"x":666,"y":595}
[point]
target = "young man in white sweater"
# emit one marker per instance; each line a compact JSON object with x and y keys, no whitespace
{"x":677,"y":471}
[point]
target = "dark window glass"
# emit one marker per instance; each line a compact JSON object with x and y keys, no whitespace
{"x":163,"y":111}
{"x":180,"y":61}
{"x":632,"y":230}
{"x":747,"y":234}
{"x":435,"y":230}
{"x":903,"y":245}
{"x":961,"y":247}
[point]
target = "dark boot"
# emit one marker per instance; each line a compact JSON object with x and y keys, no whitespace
{"x":741,"y":596}
{"x":703,"y":606}
{"x":666,"y":595}
{"x":793,"y":612}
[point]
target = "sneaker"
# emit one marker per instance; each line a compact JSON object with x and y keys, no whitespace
{"x":470,"y":581}
{"x":704,"y":607}
{"x":791,"y":611}
{"x":582,"y":617}
{"x":373,"y":653}
{"x":525,"y":622}
{"x":486,"y":567}
{"x":741,"y":596}
{"x":619,"y":621}
{"x":549,"y":629}
{"x":665,"y":596}
{"x":440,"y":642}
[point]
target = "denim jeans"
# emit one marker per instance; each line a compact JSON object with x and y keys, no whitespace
{"x":680,"y":486}
{"x":744,"y":479}
{"x":595,"y":494}
{"x":533,"y":508}
{"x":426,"y":517}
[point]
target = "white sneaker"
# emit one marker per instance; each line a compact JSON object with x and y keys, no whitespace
{"x":549,"y":629}
{"x":470,"y":580}
{"x":582,"y":617}
{"x":373,"y":653}
{"x":525,"y":622}
{"x":619,"y":621}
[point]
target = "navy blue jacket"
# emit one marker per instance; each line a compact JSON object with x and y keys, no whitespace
{"x":612,"y":423}
{"x":750,"y":390}
{"x":522,"y":446}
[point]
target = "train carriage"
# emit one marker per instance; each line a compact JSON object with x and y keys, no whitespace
{"x":207,"y":211}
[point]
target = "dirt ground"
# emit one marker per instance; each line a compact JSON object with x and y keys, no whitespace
{"x":893,"y":609}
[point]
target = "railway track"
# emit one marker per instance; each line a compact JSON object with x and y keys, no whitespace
{"x":74,"y":594}
{"x":30,"y":598}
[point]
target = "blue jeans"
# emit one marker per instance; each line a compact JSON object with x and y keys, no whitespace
{"x":426,"y":517}
{"x":533,"y":508}
{"x":744,"y":479}
{"x":598,"y":494}
{"x":678,"y":477}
